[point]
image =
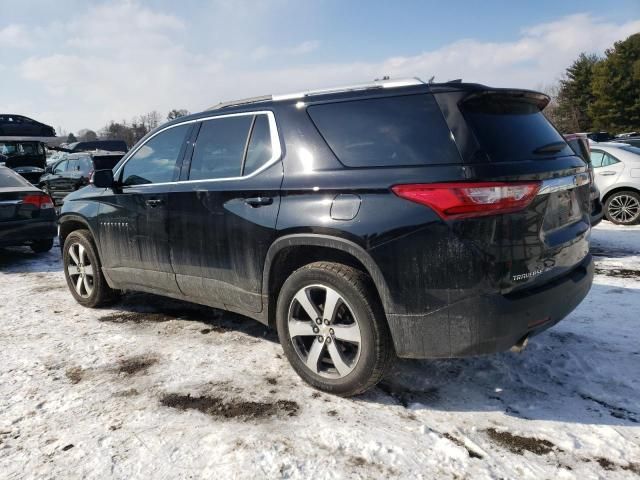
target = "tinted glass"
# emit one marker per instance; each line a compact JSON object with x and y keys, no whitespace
{"x":391,"y":131}
{"x":155,"y":161}
{"x":259,"y":150}
{"x":510,"y":129}
{"x":220,"y":147}
{"x":10,"y":179}
{"x":596,"y":158}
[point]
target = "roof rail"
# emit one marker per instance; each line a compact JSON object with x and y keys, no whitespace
{"x":242,"y":101}
{"x":386,"y":83}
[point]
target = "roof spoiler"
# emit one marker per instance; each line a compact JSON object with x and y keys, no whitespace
{"x":539,"y":99}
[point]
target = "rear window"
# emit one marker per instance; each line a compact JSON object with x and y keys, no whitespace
{"x":631,"y":149}
{"x":513,"y":128}
{"x":9,"y":178}
{"x":390,"y":131}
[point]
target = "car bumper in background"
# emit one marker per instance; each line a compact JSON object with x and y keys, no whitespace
{"x":490,"y":323}
{"x":21,"y":232}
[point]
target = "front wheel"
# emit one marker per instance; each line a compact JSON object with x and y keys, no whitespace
{"x":623,"y":208}
{"x":332,"y":328}
{"x":83,"y":272}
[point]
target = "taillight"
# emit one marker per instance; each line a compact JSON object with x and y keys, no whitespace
{"x":464,"y":200}
{"x":38,"y":200}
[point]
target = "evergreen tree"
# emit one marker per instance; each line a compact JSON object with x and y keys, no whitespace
{"x":616,"y":87}
{"x":575,"y":96}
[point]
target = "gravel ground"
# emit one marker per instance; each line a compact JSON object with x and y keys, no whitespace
{"x":165,"y":389}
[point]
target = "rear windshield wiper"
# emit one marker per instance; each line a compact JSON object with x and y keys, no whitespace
{"x":554,"y":147}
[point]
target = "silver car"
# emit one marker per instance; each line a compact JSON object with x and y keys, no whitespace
{"x":617,"y":175}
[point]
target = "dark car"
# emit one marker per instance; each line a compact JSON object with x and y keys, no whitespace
{"x":74,"y":172}
{"x":19,"y":125}
{"x":633,"y":141}
{"x":600,"y":136}
{"x":27,"y":216}
{"x":26,"y":157}
{"x":393,"y":218}
{"x":579,"y":143}
{"x":107,"y":145}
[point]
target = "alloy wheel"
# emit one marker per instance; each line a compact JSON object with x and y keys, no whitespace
{"x":624,"y":208}
{"x":324,"y":331}
{"x":80,"y":270}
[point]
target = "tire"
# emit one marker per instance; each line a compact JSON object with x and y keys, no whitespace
{"x":623,"y":208}
{"x":89,"y":289}
{"x":358,"y":365}
{"x":42,"y":246}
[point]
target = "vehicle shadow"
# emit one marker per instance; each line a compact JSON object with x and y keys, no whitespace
{"x":23,"y":260}
{"x":571,"y":373}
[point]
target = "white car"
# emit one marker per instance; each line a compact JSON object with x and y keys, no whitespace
{"x":616,"y":168}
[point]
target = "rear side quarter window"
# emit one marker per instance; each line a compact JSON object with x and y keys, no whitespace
{"x":384,"y":132}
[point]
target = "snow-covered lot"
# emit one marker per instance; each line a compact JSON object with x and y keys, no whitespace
{"x":157,"y":388}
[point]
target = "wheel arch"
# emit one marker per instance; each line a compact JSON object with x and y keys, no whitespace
{"x":290,"y":252}
{"x":70,"y":222}
{"x":619,"y":188}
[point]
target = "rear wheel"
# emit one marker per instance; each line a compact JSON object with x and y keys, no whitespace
{"x":82,"y":270}
{"x":332,"y":328}
{"x":623,"y":208}
{"x":42,"y":246}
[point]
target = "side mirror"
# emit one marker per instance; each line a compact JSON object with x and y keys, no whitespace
{"x":103,"y":179}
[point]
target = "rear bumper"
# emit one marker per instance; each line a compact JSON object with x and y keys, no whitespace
{"x":490,"y":323}
{"x":21,"y":232}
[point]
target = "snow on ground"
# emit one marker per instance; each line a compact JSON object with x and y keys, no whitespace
{"x":155,"y":388}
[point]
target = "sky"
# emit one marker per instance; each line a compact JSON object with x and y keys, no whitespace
{"x":78,"y":64}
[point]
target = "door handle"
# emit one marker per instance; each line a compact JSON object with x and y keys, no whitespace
{"x":258,"y":201}
{"x":154,"y":202}
{"x":607,"y":173}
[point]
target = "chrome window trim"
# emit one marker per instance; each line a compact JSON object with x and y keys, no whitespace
{"x":559,"y":184}
{"x":276,"y":149}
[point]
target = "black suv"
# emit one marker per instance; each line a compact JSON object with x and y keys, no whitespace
{"x":393,"y":218}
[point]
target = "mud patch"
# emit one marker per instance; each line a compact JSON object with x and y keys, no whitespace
{"x":74,"y":374}
{"x":233,"y":408}
{"x":136,"y":317}
{"x":618,"y":272}
{"x":134,"y":365}
{"x":460,"y":443}
{"x":517,"y":444}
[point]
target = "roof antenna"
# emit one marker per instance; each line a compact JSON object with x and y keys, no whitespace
{"x":431,"y":79}
{"x":386,"y":77}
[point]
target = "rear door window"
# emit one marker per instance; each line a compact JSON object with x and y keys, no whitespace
{"x":389,"y":131}
{"x":510,"y":128}
{"x":220,"y":148}
{"x":259,"y":150}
